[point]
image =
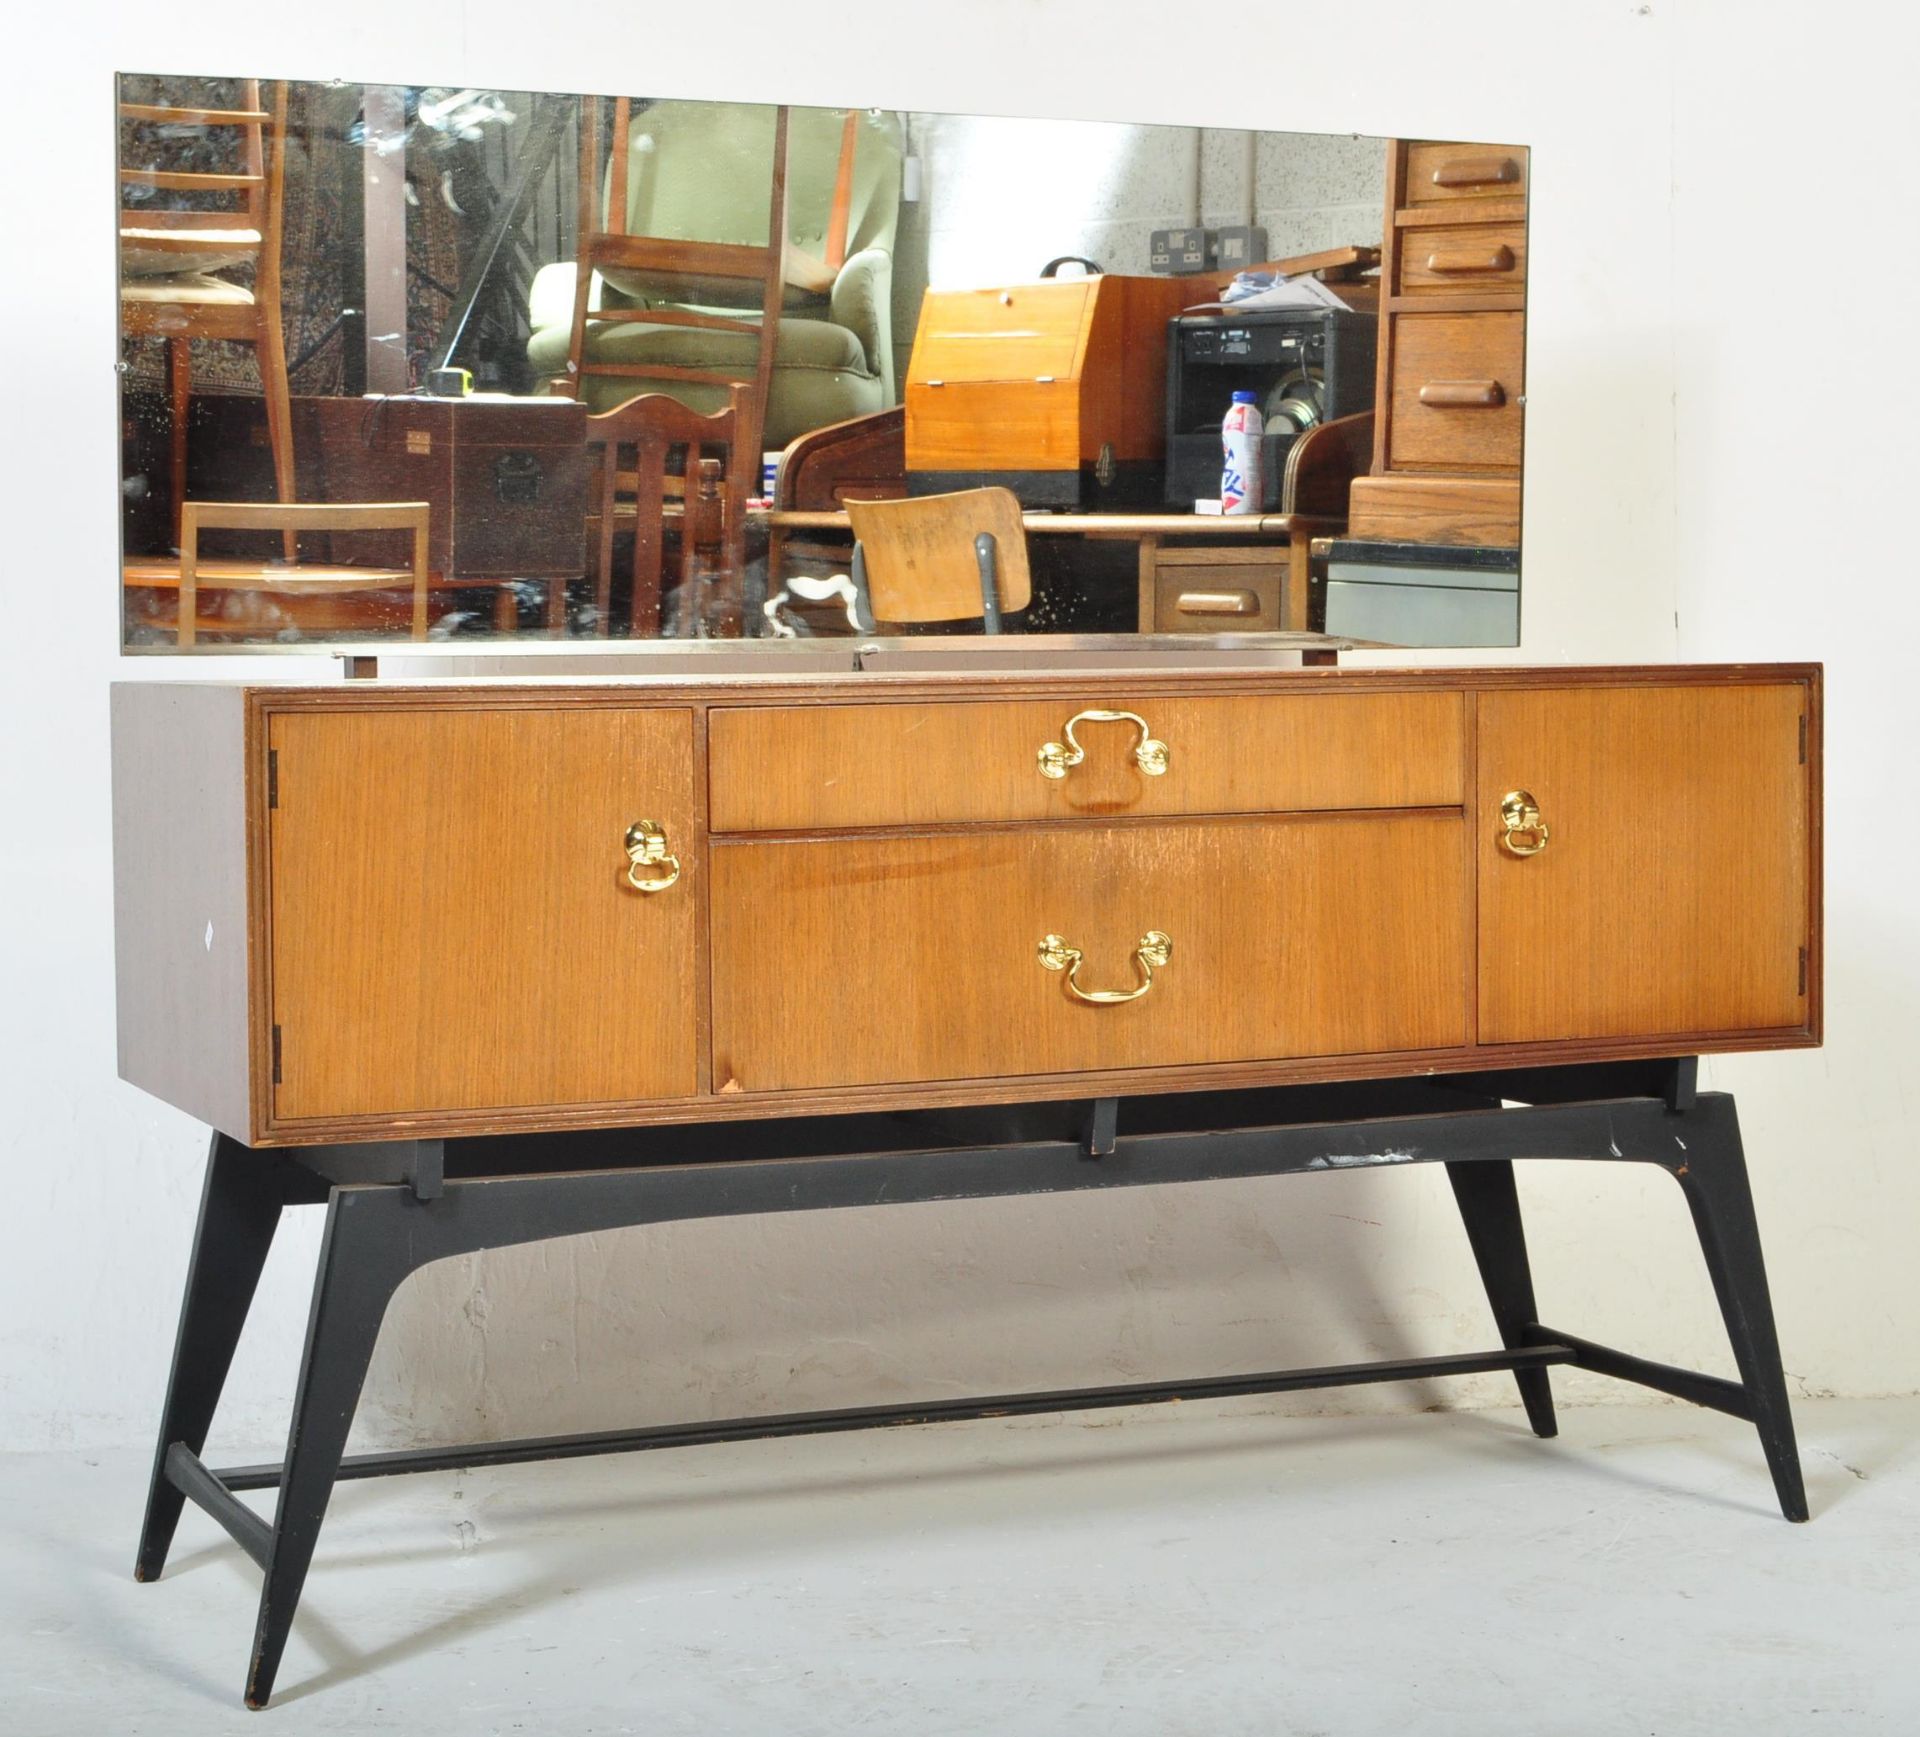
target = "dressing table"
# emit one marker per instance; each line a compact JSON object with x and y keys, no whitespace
{"x":471,"y":964}
{"x":481,"y":963}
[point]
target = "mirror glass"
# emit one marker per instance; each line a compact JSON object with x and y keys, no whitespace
{"x":437,"y":363}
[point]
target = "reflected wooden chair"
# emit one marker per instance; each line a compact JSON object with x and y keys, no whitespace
{"x":1321,"y":466}
{"x":694,"y":275}
{"x":679,"y":478}
{"x":193,"y":577}
{"x":172,"y":263}
{"x":941,"y":559}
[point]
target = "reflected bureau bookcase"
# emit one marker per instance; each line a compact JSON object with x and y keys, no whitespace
{"x":478,"y":963}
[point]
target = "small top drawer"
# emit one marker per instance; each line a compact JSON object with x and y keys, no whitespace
{"x":1456,"y":257}
{"x":1446,"y":174}
{"x":814,"y":768}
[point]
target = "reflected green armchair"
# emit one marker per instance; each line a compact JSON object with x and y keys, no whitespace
{"x":701,"y":172}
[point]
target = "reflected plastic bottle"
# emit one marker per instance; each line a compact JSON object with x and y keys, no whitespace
{"x":1242,"y":487}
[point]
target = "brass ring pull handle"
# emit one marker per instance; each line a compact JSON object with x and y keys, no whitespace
{"x":646,"y":846}
{"x":1154,"y":950}
{"x":1522,"y":831}
{"x":1057,"y":759}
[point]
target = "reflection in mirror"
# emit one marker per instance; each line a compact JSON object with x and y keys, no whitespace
{"x":431,"y":363}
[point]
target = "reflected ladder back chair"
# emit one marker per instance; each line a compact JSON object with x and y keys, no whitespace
{"x":687,"y":271}
{"x":412,"y":517}
{"x":635,"y":446}
{"x":171,"y":263}
{"x":941,"y":558}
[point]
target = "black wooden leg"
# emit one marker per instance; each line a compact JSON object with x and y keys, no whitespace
{"x":364,"y":1255}
{"x":239,"y":1210}
{"x":1714,"y":1177}
{"x":1490,"y":1208}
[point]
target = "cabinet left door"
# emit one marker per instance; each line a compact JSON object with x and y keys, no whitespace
{"x":452,"y":924}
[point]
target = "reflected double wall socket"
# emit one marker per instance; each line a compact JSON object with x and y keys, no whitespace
{"x":1174,"y":251}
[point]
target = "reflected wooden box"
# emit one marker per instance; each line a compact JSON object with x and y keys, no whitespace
{"x":506,"y":479}
{"x":1055,"y":389}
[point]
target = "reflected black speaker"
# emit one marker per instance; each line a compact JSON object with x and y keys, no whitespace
{"x":1308,"y":366}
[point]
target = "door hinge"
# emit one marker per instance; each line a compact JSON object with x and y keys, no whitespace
{"x":276,"y":1055}
{"x":1803,"y":971}
{"x":273,"y":777}
{"x":1803,"y":738}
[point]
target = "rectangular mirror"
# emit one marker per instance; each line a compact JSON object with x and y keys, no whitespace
{"x":427,"y":363}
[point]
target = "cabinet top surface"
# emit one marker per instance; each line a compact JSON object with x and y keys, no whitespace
{"x":988,"y":684}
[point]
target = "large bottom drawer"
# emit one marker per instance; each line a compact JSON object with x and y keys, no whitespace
{"x":876,"y":960}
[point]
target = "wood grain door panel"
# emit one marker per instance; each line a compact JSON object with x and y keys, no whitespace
{"x":864,"y":961}
{"x":451,"y":927}
{"x":793,"y":768}
{"x":1672,"y":896}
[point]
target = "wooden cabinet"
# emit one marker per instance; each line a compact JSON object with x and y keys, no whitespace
{"x":379,"y":912}
{"x":1457,"y":391}
{"x":788,"y":768}
{"x":1444,"y":174}
{"x":1452,"y":394}
{"x":1031,"y":384}
{"x":1227,"y":591}
{"x":449,"y":925}
{"x":879,"y":961}
{"x":1678,"y":825}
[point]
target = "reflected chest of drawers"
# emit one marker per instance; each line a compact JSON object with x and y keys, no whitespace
{"x":352,"y":912}
{"x":487,"y":964}
{"x":1452,"y":379}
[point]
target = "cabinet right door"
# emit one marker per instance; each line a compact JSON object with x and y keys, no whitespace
{"x":1671,"y":895}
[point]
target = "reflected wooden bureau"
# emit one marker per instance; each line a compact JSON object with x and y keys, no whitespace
{"x":371,"y":912}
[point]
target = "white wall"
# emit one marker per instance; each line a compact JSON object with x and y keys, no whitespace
{"x":1689,"y":162}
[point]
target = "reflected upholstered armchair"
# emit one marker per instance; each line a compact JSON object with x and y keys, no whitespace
{"x":701,"y":172}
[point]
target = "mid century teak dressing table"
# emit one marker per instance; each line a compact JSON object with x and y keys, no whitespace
{"x":482,"y":963}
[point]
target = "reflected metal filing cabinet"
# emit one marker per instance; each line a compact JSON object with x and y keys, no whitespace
{"x":1421,"y":594}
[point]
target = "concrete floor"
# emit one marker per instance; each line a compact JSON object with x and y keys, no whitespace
{"x":1206,"y":1569}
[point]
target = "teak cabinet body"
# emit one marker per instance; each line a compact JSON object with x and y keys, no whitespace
{"x":382,"y":912}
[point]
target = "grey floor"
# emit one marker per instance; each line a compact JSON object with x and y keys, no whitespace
{"x":1207,"y":1569}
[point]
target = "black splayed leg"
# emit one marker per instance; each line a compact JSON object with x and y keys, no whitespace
{"x":239,"y":1210}
{"x":1490,"y":1208}
{"x":364,"y":1255}
{"x":1714,"y":1176}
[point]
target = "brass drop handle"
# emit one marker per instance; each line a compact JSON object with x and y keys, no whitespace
{"x":646,"y":846}
{"x":1154,"y":950}
{"x":1522,"y":831}
{"x":1057,"y":759}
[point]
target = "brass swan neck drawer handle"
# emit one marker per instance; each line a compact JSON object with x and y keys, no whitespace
{"x":1057,"y":759}
{"x":647,"y":847}
{"x":1522,"y":831}
{"x":1154,"y":950}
